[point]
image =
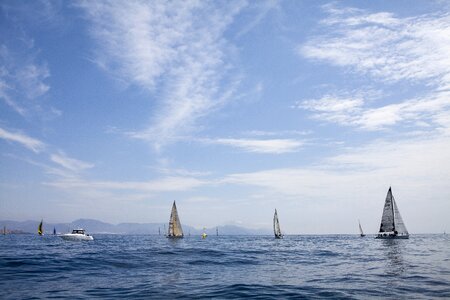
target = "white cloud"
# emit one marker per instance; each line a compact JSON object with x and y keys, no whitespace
{"x":166,"y":184}
{"x":261,"y":10}
{"x":174,"y":48}
{"x":390,"y":49}
{"x":331,"y":104}
{"x":407,"y":163}
{"x":385,"y":46}
{"x":23,"y":139}
{"x":31,"y":78}
{"x":354,"y":183}
{"x":21,"y":79}
{"x":260,"y":133}
{"x":272,"y":146}
{"x":333,"y":108}
{"x":355,"y":112}
{"x":72,"y":164}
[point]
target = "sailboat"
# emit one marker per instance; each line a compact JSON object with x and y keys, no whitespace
{"x":175,"y":230}
{"x":276,"y":226}
{"x":361,"y":232}
{"x":54,"y":231}
{"x":392,"y":225}
{"x":40,"y":229}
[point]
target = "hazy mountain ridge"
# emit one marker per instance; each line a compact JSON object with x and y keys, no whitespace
{"x":96,"y":226}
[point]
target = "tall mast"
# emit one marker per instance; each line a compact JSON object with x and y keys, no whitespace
{"x":392,"y":208}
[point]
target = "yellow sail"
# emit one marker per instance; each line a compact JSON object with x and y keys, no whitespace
{"x":40,"y":231}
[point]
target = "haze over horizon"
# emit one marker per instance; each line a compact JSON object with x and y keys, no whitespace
{"x":111,"y":110}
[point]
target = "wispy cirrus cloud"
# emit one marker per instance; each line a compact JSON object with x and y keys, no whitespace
{"x":354,"y":183}
{"x":259,"y":10}
{"x":70,"y":166}
{"x":333,"y":108}
{"x":387,"y":47}
{"x":390,"y":49}
{"x":264,"y":146}
{"x":423,"y":111}
{"x":31,"y":143}
{"x":174,"y":49}
{"x":21,"y":79}
{"x":416,"y":161}
{"x":260,"y":133}
{"x":69,"y":163}
{"x":165,"y":184}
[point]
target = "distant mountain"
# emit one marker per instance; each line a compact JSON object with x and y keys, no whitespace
{"x":96,"y":226}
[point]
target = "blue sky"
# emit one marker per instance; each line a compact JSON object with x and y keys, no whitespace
{"x":112,"y":110}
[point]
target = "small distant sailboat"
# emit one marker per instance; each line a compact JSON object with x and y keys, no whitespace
{"x":40,"y":228}
{"x":392,"y":225}
{"x":361,"y":232}
{"x":217,"y":231}
{"x":175,"y":230}
{"x":276,"y":226}
{"x":204,"y":235}
{"x":54,"y":231}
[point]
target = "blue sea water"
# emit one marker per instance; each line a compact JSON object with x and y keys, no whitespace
{"x":140,"y":266}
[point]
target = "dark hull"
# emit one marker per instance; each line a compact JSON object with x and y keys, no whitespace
{"x":402,"y":237}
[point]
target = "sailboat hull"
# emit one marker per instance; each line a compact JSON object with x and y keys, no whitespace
{"x":76,"y":237}
{"x":390,"y":237}
{"x":174,"y":237}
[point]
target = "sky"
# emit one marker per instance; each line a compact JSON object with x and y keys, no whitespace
{"x":114,"y":109}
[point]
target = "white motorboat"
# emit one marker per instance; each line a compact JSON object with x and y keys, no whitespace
{"x":77,"y":235}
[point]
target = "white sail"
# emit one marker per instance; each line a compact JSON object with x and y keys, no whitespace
{"x":392,"y":225}
{"x":360,"y":229}
{"x":175,"y":229}
{"x":387,"y":220}
{"x":276,"y":226}
{"x":398,"y":221}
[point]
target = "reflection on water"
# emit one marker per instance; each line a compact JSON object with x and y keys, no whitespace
{"x":393,"y":252}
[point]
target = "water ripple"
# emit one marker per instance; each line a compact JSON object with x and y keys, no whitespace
{"x":143,"y":267}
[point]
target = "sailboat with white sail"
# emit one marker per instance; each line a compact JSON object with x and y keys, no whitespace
{"x":175,"y":230}
{"x":361,"y":232}
{"x":276,"y":226}
{"x":392,"y":225}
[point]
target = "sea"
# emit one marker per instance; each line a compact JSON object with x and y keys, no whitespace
{"x":225,"y":267}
